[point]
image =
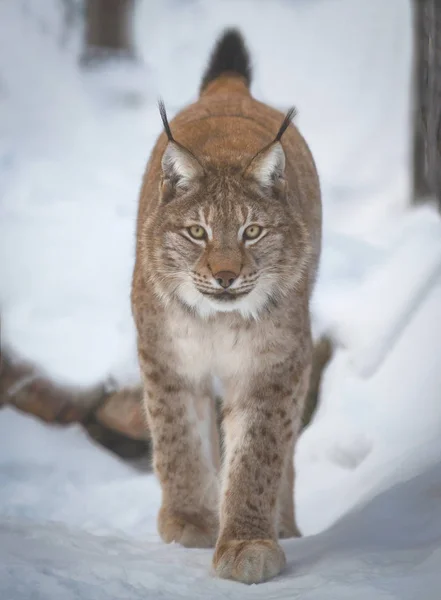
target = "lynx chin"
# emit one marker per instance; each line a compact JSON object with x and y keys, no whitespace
{"x":228,"y":241}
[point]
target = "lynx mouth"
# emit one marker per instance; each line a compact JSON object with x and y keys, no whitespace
{"x":225,"y":296}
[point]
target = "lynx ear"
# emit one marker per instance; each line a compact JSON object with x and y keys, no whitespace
{"x":179,"y":166}
{"x":268,"y":166}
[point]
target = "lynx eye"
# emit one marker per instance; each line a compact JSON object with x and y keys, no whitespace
{"x":197,"y":232}
{"x":252,"y":232}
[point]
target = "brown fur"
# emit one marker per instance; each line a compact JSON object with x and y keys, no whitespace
{"x":261,"y":350}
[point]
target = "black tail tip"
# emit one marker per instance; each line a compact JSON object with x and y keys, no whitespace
{"x":230,"y":55}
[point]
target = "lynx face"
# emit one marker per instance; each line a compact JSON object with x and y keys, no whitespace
{"x":226,"y":241}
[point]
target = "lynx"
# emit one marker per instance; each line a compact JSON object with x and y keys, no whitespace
{"x":228,"y":241}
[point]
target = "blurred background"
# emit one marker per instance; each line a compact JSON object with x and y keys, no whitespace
{"x":79,"y":84}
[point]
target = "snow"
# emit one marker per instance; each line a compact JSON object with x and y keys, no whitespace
{"x":73,"y":151}
{"x":91,"y":533}
{"x":76,"y":522}
{"x":400,"y":273}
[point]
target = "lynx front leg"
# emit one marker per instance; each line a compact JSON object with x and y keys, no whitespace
{"x":287,"y":526}
{"x":259,"y":427}
{"x":188,"y":514}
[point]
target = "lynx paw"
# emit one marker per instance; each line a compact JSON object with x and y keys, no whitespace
{"x":248,"y":561}
{"x":191,"y":530}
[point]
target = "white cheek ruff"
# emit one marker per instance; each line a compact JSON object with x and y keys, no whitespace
{"x":248,"y":306}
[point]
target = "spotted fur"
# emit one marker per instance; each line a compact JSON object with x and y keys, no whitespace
{"x":222,"y":166}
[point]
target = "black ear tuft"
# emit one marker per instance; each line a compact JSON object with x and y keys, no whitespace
{"x":286,"y":122}
{"x":164,"y":118}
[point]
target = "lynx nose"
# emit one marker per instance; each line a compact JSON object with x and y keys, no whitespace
{"x":225,"y":278}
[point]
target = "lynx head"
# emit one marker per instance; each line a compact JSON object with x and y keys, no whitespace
{"x":226,"y":239}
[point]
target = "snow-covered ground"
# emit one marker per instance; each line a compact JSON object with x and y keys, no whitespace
{"x":69,"y":533}
{"x":75,"y":522}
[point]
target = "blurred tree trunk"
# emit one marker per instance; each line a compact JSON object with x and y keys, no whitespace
{"x":427,"y":125}
{"x":108,"y":30}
